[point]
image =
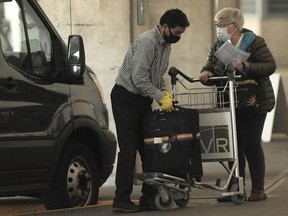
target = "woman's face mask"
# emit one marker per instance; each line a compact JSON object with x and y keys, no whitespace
{"x":222,"y":33}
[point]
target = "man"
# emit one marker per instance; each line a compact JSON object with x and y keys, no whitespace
{"x":139,"y":82}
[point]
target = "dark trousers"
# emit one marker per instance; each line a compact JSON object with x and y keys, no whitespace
{"x":249,"y":131}
{"x":128,"y":111}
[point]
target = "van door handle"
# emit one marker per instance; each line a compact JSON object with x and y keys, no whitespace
{"x":8,"y":82}
{"x":6,"y":115}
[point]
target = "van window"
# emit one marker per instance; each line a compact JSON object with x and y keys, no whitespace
{"x":29,"y":51}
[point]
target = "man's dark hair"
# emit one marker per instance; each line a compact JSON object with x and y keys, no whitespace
{"x":173,"y":18}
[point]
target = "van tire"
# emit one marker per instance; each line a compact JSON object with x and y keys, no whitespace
{"x":76,"y":181}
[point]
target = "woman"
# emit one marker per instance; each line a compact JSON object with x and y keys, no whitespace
{"x":259,"y":66}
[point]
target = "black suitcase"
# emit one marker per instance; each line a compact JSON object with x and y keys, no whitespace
{"x":171,"y":142}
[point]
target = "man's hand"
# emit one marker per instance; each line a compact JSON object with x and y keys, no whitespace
{"x":167,"y":103}
{"x":167,"y":93}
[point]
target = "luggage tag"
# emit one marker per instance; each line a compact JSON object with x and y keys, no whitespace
{"x":165,"y":142}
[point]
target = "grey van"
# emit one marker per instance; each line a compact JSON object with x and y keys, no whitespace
{"x":55,"y":141}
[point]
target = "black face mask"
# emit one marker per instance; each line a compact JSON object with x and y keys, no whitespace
{"x":171,"y":38}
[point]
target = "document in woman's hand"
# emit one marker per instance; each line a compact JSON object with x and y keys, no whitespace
{"x":227,"y":53}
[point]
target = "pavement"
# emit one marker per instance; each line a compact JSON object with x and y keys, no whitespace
{"x":201,"y":202}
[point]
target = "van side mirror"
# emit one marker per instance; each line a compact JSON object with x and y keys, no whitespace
{"x":75,"y":57}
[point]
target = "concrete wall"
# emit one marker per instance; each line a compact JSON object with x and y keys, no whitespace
{"x":108,"y":26}
{"x":190,"y":53}
{"x":275,"y":31}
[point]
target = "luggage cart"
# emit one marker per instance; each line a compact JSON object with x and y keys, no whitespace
{"x":217,"y":116}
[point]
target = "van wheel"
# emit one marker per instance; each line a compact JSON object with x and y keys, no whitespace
{"x":76,"y":181}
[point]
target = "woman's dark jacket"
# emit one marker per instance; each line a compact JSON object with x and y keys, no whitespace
{"x":261,"y":64}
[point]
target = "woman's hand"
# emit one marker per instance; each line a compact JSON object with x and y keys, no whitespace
{"x":239,"y":65}
{"x":205,"y":75}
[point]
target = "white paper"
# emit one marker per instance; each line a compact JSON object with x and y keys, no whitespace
{"x":227,"y":53}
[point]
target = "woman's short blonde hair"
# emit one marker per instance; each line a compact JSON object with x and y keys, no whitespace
{"x":231,"y":15}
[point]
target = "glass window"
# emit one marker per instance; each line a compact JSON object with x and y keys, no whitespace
{"x":277,"y":7}
{"x":248,"y":6}
{"x":32,"y":55}
{"x":39,"y":37}
{"x":265,"y":8}
{"x":12,"y":33}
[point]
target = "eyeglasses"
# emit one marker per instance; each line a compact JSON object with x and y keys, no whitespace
{"x":223,"y":25}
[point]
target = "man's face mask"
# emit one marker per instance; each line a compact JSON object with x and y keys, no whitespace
{"x":171,"y":38}
{"x":222,"y":33}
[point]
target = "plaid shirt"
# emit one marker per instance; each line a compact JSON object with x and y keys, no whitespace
{"x":145,"y":64}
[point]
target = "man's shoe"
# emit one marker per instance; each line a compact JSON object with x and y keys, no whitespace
{"x":224,"y":199}
{"x":127,"y":207}
{"x":147,"y":204}
{"x":257,"y":195}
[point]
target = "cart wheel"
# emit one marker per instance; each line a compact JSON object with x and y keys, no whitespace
{"x":163,"y":205}
{"x":237,"y":199}
{"x":183,"y":202}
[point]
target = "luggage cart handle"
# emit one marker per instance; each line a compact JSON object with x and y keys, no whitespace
{"x":173,"y":72}
{"x":219,"y":78}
